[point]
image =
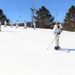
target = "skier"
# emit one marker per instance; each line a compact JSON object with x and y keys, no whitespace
{"x":57,"y":31}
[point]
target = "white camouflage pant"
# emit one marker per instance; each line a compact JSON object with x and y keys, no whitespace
{"x":57,"y":40}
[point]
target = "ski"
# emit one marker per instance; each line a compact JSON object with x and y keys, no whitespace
{"x":64,"y":50}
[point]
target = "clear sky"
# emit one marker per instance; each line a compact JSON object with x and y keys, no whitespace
{"x":20,"y":9}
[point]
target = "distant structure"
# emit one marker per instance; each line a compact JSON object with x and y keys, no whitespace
{"x":5,"y":24}
{"x":0,"y":25}
{"x":32,"y":14}
{"x":34,"y":24}
{"x":25,"y":25}
{"x":16,"y":23}
{"x":11,"y":23}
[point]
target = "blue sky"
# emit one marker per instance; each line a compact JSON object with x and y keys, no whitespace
{"x":20,"y":9}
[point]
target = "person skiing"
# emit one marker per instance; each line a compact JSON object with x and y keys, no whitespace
{"x":57,"y":31}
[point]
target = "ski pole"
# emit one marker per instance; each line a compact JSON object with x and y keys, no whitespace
{"x":52,"y":42}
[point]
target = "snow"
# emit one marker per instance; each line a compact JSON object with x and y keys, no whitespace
{"x":24,"y":52}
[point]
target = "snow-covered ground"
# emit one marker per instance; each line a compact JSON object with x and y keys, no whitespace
{"x":24,"y":52}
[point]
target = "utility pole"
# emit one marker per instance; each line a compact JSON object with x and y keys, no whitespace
{"x":56,"y":17}
{"x":20,"y":13}
{"x":32,"y":14}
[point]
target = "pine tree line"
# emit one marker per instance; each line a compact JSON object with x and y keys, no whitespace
{"x":44,"y":18}
{"x":69,"y":21}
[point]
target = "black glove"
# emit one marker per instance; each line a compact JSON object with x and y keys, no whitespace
{"x":58,"y":33}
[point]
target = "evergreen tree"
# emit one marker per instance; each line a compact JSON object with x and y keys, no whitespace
{"x":2,"y":17}
{"x":69,"y":21}
{"x":43,"y":18}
